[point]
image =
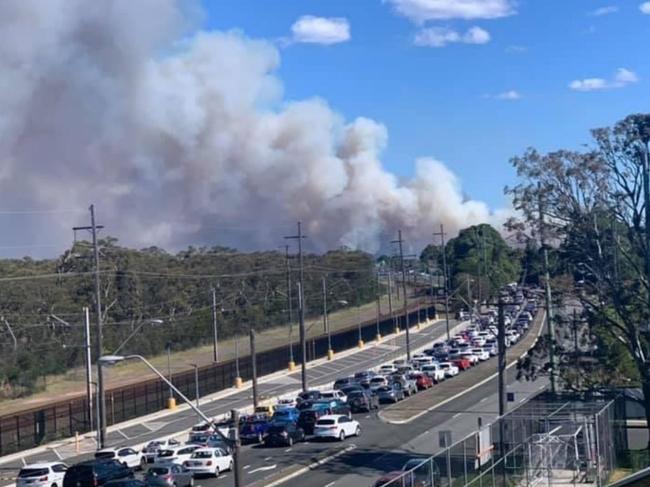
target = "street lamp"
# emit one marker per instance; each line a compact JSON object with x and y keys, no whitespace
{"x":108,"y":360}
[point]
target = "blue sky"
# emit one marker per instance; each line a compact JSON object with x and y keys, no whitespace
{"x":445,"y":101}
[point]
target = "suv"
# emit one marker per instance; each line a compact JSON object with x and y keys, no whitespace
{"x":41,"y":474}
{"x":96,"y":473}
{"x":308,"y":417}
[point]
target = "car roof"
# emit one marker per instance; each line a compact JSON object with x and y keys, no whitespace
{"x":206,"y":448}
{"x":42,"y":465}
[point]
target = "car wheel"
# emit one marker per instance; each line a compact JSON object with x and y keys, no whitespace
{"x":54,"y":485}
{"x":216,"y":471}
{"x":174,"y":484}
{"x":191,"y":484}
{"x":357,"y":432}
{"x":143,"y":463}
{"x":342,"y":435}
{"x":230,"y":466}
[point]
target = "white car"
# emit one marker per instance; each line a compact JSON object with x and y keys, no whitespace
{"x":450,"y":369}
{"x":387,"y":369}
{"x":41,"y":475}
{"x":434,"y":371}
{"x":377,"y":382}
{"x":422,"y":361}
{"x":513,"y":336}
{"x":333,"y":394}
{"x":125,"y":455}
{"x":210,"y":461}
{"x":471,"y":356}
{"x":481,"y":354}
{"x":176,"y":454}
{"x":286,"y":403}
{"x":153,"y":447}
{"x":478,"y":341}
{"x":336,"y":426}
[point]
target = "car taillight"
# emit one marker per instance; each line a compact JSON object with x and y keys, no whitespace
{"x":168,"y":477}
{"x":186,"y":463}
{"x":209,"y":462}
{"x":43,"y":479}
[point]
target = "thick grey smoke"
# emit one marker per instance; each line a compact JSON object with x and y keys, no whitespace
{"x":183,"y":138}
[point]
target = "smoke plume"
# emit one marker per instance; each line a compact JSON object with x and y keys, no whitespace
{"x":182,"y":137}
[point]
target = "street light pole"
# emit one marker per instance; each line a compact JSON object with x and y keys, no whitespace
{"x":326,"y":322}
{"x":235,"y":442}
{"x":196,"y":382}
{"x":215,"y":336}
{"x":378,"y":336}
{"x":251,"y":335}
{"x":89,"y":364}
{"x":292,"y":362}
{"x":406,"y":315}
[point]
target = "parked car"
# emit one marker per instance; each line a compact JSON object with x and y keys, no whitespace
{"x":253,"y":431}
{"x":363,"y":401}
{"x":177,"y":454}
{"x":284,"y":434}
{"x":266,"y":410}
{"x":344,"y":382}
{"x":95,"y":473}
{"x":209,"y":461}
{"x":377,"y":382}
{"x":387,"y":369}
{"x":285,"y":415}
{"x":308,"y":396}
{"x":153,"y":447}
{"x":356,"y":388}
{"x":390,"y":393}
{"x":169,"y":476}
{"x":286,"y":403}
{"x":435,"y":372}
{"x":481,"y":354}
{"x":472,"y":357}
{"x":333,"y":395}
{"x":451,"y":370}
{"x":422,"y":380}
{"x":308,"y":417}
{"x":335,"y":406}
{"x":44,"y":474}
{"x":336,"y":426}
{"x":125,"y":455}
{"x":462,"y":363}
{"x":408,"y":386}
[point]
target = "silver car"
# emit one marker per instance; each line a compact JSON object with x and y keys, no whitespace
{"x":169,"y":475}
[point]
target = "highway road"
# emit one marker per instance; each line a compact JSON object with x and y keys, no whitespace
{"x":318,"y":375}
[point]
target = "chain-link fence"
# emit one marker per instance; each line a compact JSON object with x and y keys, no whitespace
{"x":547,"y":441}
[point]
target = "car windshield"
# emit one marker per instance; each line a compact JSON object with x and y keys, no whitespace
{"x":202,"y":454}
{"x":276,"y":429}
{"x":158,"y":471}
{"x":32,"y":472}
{"x":166,"y":453}
{"x":323,"y":422}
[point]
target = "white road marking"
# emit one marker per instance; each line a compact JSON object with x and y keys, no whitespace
{"x":484,"y":399}
{"x":268,"y":458}
{"x":246,"y":466}
{"x":288,"y":450}
{"x":456,"y":415}
{"x":263,"y":469}
{"x":330,"y":484}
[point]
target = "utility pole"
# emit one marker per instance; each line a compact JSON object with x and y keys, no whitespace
{"x":442,"y":235}
{"x":292,"y":362}
{"x":550,"y":324}
{"x":101,"y":399}
{"x":501,"y":368}
{"x":215,"y":337}
{"x":390,"y":300}
{"x":326,"y":322}
{"x":301,"y":310}
{"x":251,"y":335}
{"x":89,"y":370}
{"x":239,"y":477}
{"x":406,"y":316}
{"x":378,"y":337}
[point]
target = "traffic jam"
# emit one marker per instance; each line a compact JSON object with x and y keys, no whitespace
{"x":313,"y":415}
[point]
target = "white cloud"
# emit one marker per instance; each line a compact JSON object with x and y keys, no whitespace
{"x":510,"y":95}
{"x":441,"y":36}
{"x":622,"y":78}
{"x":645,"y":8}
{"x":321,"y":30}
{"x":610,"y":9}
{"x":420,"y":11}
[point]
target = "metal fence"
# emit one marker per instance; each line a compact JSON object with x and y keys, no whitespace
{"x":547,"y":441}
{"x":30,"y":428}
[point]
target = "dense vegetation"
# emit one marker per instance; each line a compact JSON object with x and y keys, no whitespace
{"x":138,"y":286}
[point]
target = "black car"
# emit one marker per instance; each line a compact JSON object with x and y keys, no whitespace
{"x":95,"y":473}
{"x":344,"y":382}
{"x":362,"y":401}
{"x":350,"y":389}
{"x":304,"y":405}
{"x":308,"y":418}
{"x":283,"y":434}
{"x":308,"y":396}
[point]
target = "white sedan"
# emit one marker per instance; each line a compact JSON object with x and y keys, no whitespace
{"x":481,"y":354}
{"x":450,"y":369}
{"x":176,"y":454}
{"x":210,"y":461}
{"x":126,"y":456}
{"x":153,"y":447}
{"x":336,"y":426}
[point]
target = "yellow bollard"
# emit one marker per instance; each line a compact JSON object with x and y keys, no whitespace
{"x":330,"y":354}
{"x":171,"y":403}
{"x":238,"y":382}
{"x":76,"y":441}
{"x":396,"y":329}
{"x":361,"y":343}
{"x":292,"y":366}
{"x":378,"y":337}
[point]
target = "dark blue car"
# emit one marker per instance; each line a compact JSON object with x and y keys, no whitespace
{"x":253,"y":431}
{"x":285,"y":415}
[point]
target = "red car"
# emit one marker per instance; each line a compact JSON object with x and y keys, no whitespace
{"x":422,"y":381}
{"x":462,"y":363}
